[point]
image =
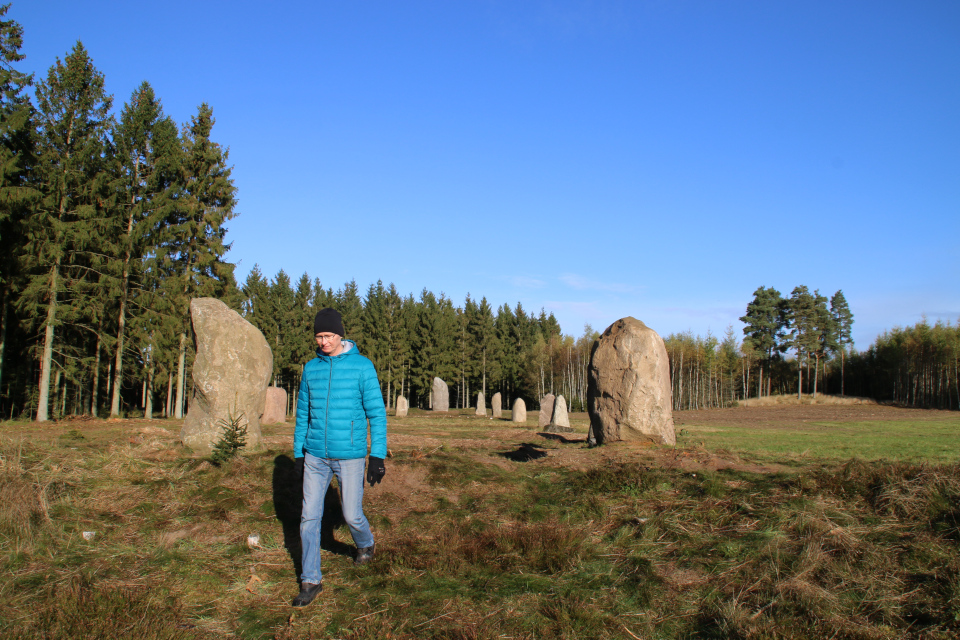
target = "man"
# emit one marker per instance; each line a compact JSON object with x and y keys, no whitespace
{"x":339,"y":392}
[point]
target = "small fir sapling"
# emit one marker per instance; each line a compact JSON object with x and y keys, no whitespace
{"x":233,"y":438}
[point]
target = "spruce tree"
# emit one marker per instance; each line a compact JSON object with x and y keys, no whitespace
{"x":147,"y":157}
{"x":16,"y":157}
{"x":72,"y":118}
{"x":193,"y":243}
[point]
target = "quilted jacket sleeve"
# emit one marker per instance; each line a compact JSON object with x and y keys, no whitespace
{"x":375,"y":410}
{"x":303,"y":411}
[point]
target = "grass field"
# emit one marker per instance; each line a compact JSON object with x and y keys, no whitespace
{"x":764,"y":522}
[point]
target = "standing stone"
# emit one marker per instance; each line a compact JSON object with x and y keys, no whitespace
{"x":441,"y":395}
{"x":560,"y":422}
{"x":519,"y":411}
{"x":546,"y":410}
{"x":497,"y":404}
{"x":402,"y":407}
{"x":275,"y":409}
{"x":628,"y":388}
{"x":230,"y":375}
{"x":481,"y":405}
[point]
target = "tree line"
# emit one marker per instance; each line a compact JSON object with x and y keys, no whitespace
{"x":109,"y":225}
{"x":706,"y":372}
{"x":472,"y":346}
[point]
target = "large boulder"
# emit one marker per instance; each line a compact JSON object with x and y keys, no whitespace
{"x":275,"y":408}
{"x":402,"y":407}
{"x":481,"y":405}
{"x":560,"y":421}
{"x":496,"y":403}
{"x":230,"y":375}
{"x":441,"y":395}
{"x":519,"y":414}
{"x":546,"y":410}
{"x":628,"y":386}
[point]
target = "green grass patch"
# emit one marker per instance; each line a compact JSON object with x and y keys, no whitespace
{"x":935,"y":441}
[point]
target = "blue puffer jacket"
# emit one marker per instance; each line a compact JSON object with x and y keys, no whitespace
{"x":337,"y":396}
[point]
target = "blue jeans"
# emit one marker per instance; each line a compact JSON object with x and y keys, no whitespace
{"x":317,"y":474}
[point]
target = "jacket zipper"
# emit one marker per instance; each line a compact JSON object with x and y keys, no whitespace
{"x":326,"y":415}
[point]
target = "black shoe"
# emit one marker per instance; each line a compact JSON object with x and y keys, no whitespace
{"x":308,"y":592}
{"x":365,"y":554}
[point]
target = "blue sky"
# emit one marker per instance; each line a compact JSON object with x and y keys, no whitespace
{"x":595,"y":159}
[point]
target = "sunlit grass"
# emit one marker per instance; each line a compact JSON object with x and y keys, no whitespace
{"x":471,"y":544}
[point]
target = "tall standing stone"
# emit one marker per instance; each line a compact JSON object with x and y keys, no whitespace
{"x":275,"y":407}
{"x":481,"y":405}
{"x":497,"y":404}
{"x":231,"y":371}
{"x":519,"y":411}
{"x":628,"y":387}
{"x":546,"y":410}
{"x":560,"y":421}
{"x":441,"y":395}
{"x":402,"y":407}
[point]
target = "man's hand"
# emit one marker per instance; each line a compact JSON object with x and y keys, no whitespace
{"x":375,"y":470}
{"x":298,"y":468}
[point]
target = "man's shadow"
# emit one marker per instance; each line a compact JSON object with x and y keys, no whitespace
{"x":288,"y":506}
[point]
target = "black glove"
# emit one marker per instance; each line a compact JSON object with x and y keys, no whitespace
{"x":298,"y":468}
{"x":375,"y":470}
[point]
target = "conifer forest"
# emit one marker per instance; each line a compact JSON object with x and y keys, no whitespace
{"x":113,"y":217}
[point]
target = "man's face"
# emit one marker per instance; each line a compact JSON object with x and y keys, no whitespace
{"x":329,"y":343}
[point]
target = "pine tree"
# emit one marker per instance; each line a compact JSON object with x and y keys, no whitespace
{"x":843,"y":319}
{"x":802,"y":323}
{"x":72,"y":114}
{"x":765,"y":323}
{"x":825,"y":334}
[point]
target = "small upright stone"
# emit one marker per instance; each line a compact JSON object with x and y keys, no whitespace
{"x":497,"y":404}
{"x":441,"y":395}
{"x":628,"y":385}
{"x":519,"y":411}
{"x":275,"y":409}
{"x":231,"y":371}
{"x":481,"y":405}
{"x":560,"y":422}
{"x":402,"y":407}
{"x":546,"y":410}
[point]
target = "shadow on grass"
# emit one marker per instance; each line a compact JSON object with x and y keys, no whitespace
{"x":560,"y":438}
{"x":525,"y":453}
{"x":288,"y":506}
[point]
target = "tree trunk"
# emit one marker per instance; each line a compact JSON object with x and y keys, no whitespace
{"x":96,"y":380}
{"x":181,"y":365}
{"x":43,"y":402}
{"x":148,"y":392}
{"x":168,"y":406}
{"x":3,"y":330}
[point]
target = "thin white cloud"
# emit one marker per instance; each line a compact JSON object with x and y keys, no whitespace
{"x":526,"y":282}
{"x":582,"y":283}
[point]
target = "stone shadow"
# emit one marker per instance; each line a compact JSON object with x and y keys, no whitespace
{"x":525,"y":453}
{"x":560,"y":438}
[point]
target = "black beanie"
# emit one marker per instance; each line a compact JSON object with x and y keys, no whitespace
{"x":328,"y":320}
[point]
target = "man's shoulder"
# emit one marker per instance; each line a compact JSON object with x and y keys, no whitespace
{"x":359,"y":361}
